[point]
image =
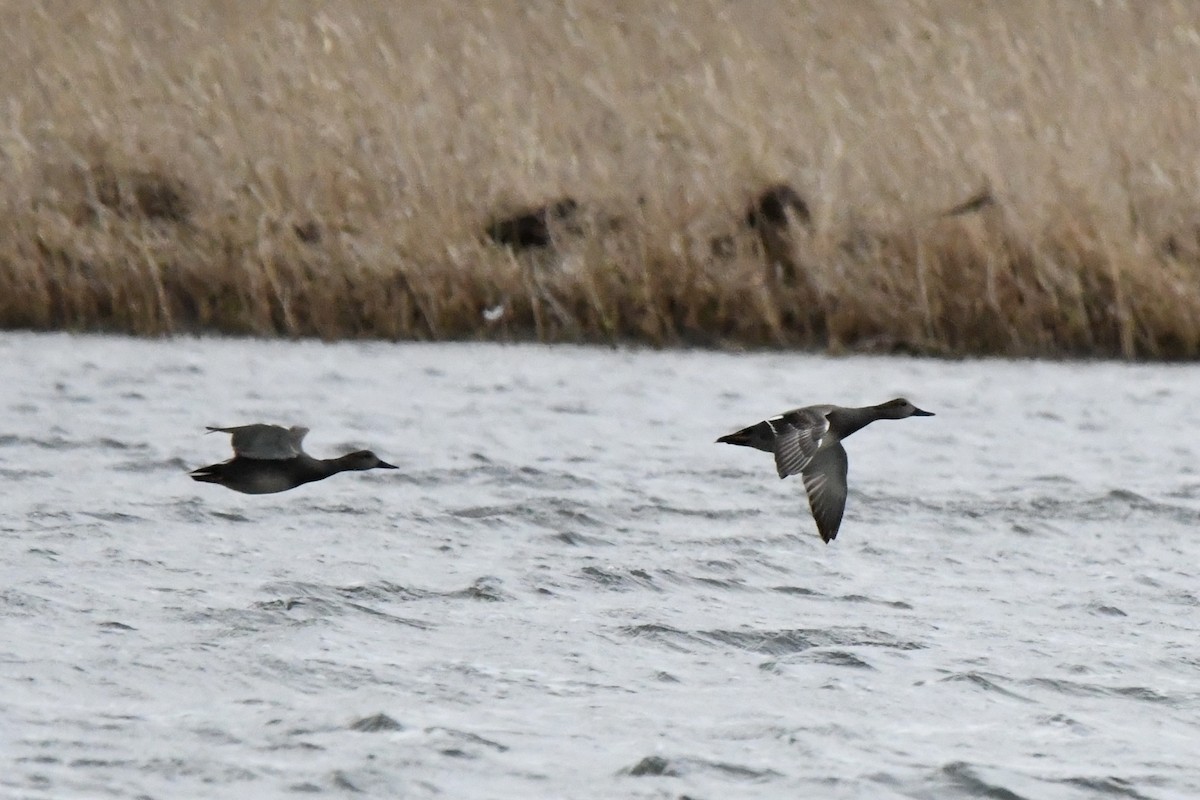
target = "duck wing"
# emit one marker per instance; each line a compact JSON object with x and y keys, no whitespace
{"x":798,"y":437}
{"x":268,"y":442}
{"x":825,"y":482}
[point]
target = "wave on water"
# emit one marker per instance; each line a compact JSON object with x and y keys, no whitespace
{"x":766,"y":642}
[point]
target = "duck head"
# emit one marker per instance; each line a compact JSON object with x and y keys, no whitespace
{"x":901,"y":408}
{"x":362,"y":460}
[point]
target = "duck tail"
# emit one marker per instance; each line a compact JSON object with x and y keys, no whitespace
{"x":741,"y":437}
{"x":760,"y":436}
{"x":210,"y":474}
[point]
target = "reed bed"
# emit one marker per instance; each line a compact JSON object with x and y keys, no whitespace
{"x":1016,"y":178}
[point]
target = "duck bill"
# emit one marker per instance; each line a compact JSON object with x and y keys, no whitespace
{"x":385,"y":465}
{"x":919,"y":413}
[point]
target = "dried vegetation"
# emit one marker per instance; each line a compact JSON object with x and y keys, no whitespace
{"x":1015,"y":178}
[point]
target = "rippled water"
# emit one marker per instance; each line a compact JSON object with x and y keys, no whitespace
{"x":568,"y":590}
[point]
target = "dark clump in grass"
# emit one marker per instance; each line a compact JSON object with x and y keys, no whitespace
{"x":307,"y":232}
{"x":774,"y":207}
{"x":779,"y":216}
{"x":975,"y":203}
{"x":146,"y":194}
{"x":712,"y":174}
{"x":535,"y":227}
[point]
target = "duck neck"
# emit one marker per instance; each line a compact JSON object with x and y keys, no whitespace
{"x":846,"y":421}
{"x":340,"y":464}
{"x":318,"y":468}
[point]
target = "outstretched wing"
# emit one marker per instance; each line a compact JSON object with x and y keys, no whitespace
{"x":270,"y":442}
{"x":825,"y":482}
{"x":798,"y":436}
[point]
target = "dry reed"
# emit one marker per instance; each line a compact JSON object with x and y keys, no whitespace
{"x":1012,"y":178}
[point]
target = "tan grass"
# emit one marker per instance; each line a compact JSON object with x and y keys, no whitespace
{"x":330,"y":170}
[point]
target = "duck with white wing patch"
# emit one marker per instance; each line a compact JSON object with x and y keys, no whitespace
{"x":808,"y":441}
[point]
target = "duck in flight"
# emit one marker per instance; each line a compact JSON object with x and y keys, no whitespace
{"x":808,"y":441}
{"x":270,"y":458}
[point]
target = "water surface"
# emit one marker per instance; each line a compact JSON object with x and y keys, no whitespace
{"x":568,"y":590}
